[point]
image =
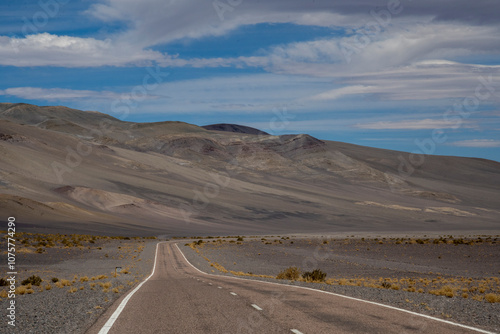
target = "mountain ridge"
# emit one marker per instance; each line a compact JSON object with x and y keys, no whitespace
{"x":181,"y":179}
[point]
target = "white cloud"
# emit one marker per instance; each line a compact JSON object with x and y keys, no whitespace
{"x":486,"y":143}
{"x":344,"y":91}
{"x":423,"y":124}
{"x":51,"y":50}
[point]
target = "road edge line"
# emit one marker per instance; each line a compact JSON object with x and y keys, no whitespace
{"x":347,"y":297}
{"x":107,"y":326}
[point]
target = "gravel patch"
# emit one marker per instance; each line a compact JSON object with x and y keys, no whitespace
{"x":339,"y":258}
{"x":74,"y":308}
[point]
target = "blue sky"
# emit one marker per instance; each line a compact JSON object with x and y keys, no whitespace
{"x":390,"y":74}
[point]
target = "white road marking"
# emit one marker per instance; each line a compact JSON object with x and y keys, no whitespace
{"x":342,"y":296}
{"x":296,"y":331}
{"x":107,"y":326}
{"x":256,"y":307}
{"x":233,"y":293}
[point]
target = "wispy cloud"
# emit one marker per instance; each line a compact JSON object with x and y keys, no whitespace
{"x":65,"y":51}
{"x":423,"y":124}
{"x":486,"y":143}
{"x":56,"y":94}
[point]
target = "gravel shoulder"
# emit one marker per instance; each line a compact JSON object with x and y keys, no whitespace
{"x":86,"y":285}
{"x":358,"y":267}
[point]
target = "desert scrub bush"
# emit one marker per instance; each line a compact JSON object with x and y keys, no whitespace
{"x":72,"y":290}
{"x":106,"y":285}
{"x":314,"y":276}
{"x":55,"y":279}
{"x":62,"y":283}
{"x":444,"y":291}
{"x":386,"y":285}
{"x":84,"y":279}
{"x":48,"y":287}
{"x":3,"y":282}
{"x":4,"y":294}
{"x":492,"y":298}
{"x":33,"y":280}
{"x":290,"y":273}
{"x":21,"y":290}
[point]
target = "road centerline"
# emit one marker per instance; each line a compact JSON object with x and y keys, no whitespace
{"x":256,"y":307}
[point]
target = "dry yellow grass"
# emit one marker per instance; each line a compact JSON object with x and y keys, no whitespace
{"x":446,"y":290}
{"x":218,"y":267}
{"x":63,"y":282}
{"x":21,"y":290}
{"x":492,"y":298}
{"x":240,"y":273}
{"x":106,"y":285}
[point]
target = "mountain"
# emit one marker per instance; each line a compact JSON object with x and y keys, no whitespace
{"x":70,"y":171}
{"x":235,"y":128}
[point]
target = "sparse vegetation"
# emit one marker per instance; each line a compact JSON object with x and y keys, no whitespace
{"x":290,"y":273}
{"x":431,"y":283}
{"x":33,"y":280}
{"x":314,"y":276}
{"x":492,"y":298}
{"x":63,"y":282}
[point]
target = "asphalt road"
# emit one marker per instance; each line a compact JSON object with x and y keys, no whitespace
{"x":178,"y":298}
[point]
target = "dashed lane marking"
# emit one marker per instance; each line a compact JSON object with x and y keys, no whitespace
{"x":256,"y":307}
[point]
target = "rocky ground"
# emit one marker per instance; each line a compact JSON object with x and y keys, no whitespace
{"x":450,"y":277}
{"x":78,"y":279}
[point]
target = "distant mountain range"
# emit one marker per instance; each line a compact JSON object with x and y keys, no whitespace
{"x":235,"y":128}
{"x":65,"y":170}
